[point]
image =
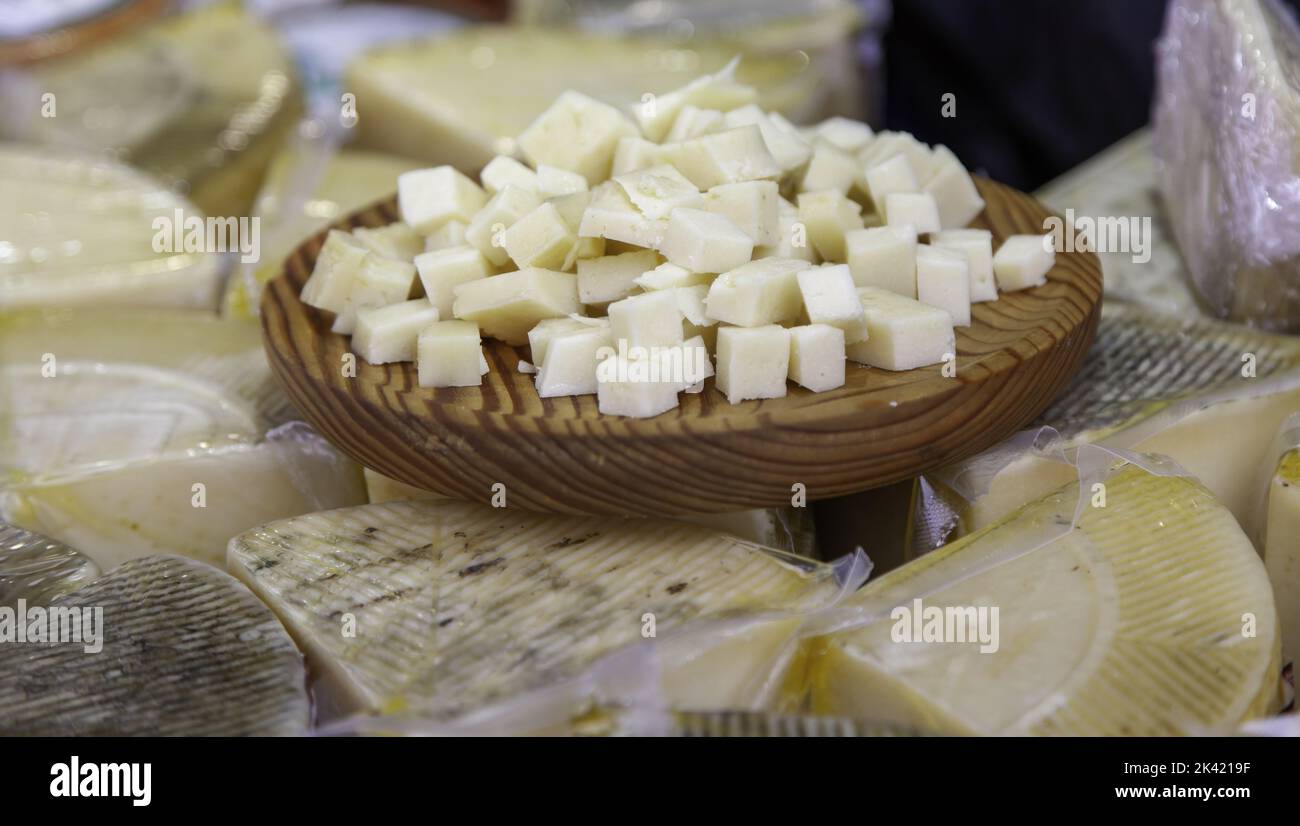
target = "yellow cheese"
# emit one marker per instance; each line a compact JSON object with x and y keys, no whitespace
{"x":1282,"y":549}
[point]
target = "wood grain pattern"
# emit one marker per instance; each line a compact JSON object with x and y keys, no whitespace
{"x":562,"y":455}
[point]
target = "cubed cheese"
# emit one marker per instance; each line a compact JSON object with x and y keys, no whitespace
{"x":542,"y":238}
{"x":830,"y":169}
{"x":539,"y":338}
{"x":827,"y":216}
{"x":397,"y":241}
{"x":886,"y":145}
{"x":726,"y":157}
{"x":846,"y":135}
{"x":450,"y":355}
{"x":612,"y":215}
{"x":830,"y":297}
{"x":716,"y":91}
{"x":571,"y":359}
{"x":943,"y":281}
{"x":888,"y":177}
{"x":647,"y":320}
{"x":441,"y":271}
{"x":903,"y":334}
{"x":789,"y":150}
{"x":659,"y":190}
{"x":760,"y":292}
{"x":1023,"y":261}
{"x":753,"y":206}
{"x":611,"y":277}
{"x":691,"y":301}
{"x":817,"y":357}
{"x":953,"y":190}
{"x":692,"y":122}
{"x":379,"y":282}
{"x":387,"y":334}
{"x":753,"y":362}
{"x":977,"y":246}
{"x":704,"y":242}
{"x":487,"y":228}
{"x":792,"y":236}
{"x":634,"y":153}
{"x":507,"y":306}
{"x":629,"y":386}
{"x":553,"y":182}
{"x":915,"y":209}
{"x":429,"y":198}
{"x":336,"y":268}
{"x":667,"y":276}
{"x":450,"y":234}
{"x":577,"y":133}
{"x":884,"y":257}
{"x":503,"y":171}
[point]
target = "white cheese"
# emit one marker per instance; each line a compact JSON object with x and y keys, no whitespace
{"x":753,"y":206}
{"x":1023,"y":262}
{"x":692,"y":122}
{"x":395,"y":240}
{"x":539,"y":338}
{"x":659,"y":190}
{"x":830,"y":297}
{"x":704,"y":242}
{"x":883,"y":257}
{"x":612,"y":215}
{"x":634,"y":153}
{"x":727,"y":157}
{"x":789,"y":150}
{"x":753,"y":362}
{"x":943,"y":281}
{"x":912,"y":209}
{"x":953,"y":190}
{"x":830,"y":169}
{"x":632,"y":386}
{"x":569,"y":368}
{"x":554,"y":182}
{"x":450,"y":234}
{"x":541,"y":238}
{"x":429,"y":198}
{"x":507,"y":306}
{"x":577,"y":133}
{"x":977,"y":246}
{"x":450,"y":354}
{"x":335,"y":270}
{"x":844,"y":134}
{"x":761,"y":292}
{"x":903,"y":334}
{"x":817,"y":357}
{"x":716,"y":91}
{"x":792,"y":236}
{"x":827,"y":218}
{"x":486,"y":231}
{"x":611,"y":277}
{"x":668,"y":276}
{"x":388,"y":334}
{"x":379,"y":282}
{"x":441,"y":271}
{"x":647,"y":320}
{"x":503,"y":171}
{"x":888,"y":177}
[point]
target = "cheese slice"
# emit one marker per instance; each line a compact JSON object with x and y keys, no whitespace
{"x":79,"y":230}
{"x":186,"y":651}
{"x":459,"y":606}
{"x":1281,"y":552}
{"x":1152,"y":617}
{"x":37,"y":569}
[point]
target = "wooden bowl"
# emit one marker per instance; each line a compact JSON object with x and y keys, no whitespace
{"x":562,"y":455}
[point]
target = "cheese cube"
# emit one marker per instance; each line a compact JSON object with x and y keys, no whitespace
{"x":917,"y":210}
{"x":704,"y":242}
{"x":441,"y":271}
{"x":830,"y":169}
{"x":753,"y":206}
{"x":611,"y":214}
{"x":542,"y":238}
{"x":753,"y":362}
{"x":507,"y":306}
{"x":888,"y":177}
{"x":450,"y":355}
{"x":659,"y":190}
{"x":760,"y":292}
{"x":450,"y":234}
{"x":830,"y":297}
{"x":716,"y":91}
{"x":379,"y":282}
{"x":668,"y":276}
{"x":336,"y":268}
{"x":647,"y":320}
{"x":844,"y":134}
{"x":429,"y":198}
{"x":692,"y":302}
{"x":977,"y":246}
{"x":943,"y":281}
{"x":554,"y":182}
{"x":571,"y":360}
{"x":692,"y":122}
{"x":387,"y":334}
{"x":827,"y":217}
{"x":397,"y":241}
{"x":817,"y":357}
{"x":487,"y":228}
{"x":724,"y":157}
{"x":884,"y":257}
{"x":577,"y":133}
{"x":634,"y":153}
{"x":903,"y":334}
{"x":788,"y":149}
{"x":503,"y":171}
{"x":888,"y":144}
{"x":611,"y":277}
{"x":792,"y":236}
{"x":1023,"y":261}
{"x":697,"y":365}
{"x":953,"y":190}
{"x":624,"y":387}
{"x":539,"y":338}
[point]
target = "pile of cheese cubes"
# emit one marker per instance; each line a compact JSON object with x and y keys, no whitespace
{"x":634,"y":252}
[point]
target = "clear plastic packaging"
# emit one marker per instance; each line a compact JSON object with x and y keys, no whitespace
{"x":1227,"y":137}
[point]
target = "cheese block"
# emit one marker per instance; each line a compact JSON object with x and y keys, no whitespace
{"x":464,"y":97}
{"x":186,"y":651}
{"x":1152,"y":617}
{"x":79,"y":230}
{"x":201,"y":100}
{"x":1193,"y":404}
{"x":1281,"y":553}
{"x":37,"y":569}
{"x":459,"y":606}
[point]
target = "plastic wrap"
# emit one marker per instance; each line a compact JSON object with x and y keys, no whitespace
{"x":35,"y":568}
{"x":1278,"y":529}
{"x":1227,"y":134}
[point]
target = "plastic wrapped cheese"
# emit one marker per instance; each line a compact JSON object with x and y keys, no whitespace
{"x":1227,"y":137}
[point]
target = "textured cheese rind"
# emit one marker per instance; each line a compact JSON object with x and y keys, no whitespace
{"x":1130,"y":624}
{"x":37,"y":569}
{"x":459,"y":605}
{"x":187,"y":651}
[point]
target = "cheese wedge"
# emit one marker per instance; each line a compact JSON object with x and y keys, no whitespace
{"x":186,"y":651}
{"x":1152,"y":617}
{"x":37,"y":569}
{"x":459,"y":606}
